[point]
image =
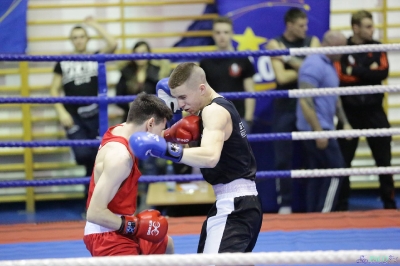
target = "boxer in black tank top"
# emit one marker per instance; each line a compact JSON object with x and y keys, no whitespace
{"x":226,"y":161}
{"x":237,"y":159}
{"x":237,"y":162}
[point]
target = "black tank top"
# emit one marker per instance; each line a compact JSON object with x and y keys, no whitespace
{"x":286,"y":103}
{"x":237,"y":159}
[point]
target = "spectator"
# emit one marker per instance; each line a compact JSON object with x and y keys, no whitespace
{"x":317,"y":114}
{"x":284,"y":117}
{"x":230,"y":74}
{"x":138,"y":76}
{"x":365,"y":111}
{"x":80,"y":79}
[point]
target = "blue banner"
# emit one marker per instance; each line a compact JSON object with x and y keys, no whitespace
{"x":255,"y":22}
{"x":13,"y":26}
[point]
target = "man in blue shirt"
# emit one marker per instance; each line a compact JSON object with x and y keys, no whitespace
{"x":317,"y":114}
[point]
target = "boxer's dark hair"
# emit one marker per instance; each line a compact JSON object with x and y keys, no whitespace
{"x":146,"y":106}
{"x":180,"y":74}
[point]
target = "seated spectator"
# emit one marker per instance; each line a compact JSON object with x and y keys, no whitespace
{"x":138,"y":76}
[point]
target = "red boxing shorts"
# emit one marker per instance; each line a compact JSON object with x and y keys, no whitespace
{"x":114,"y":244}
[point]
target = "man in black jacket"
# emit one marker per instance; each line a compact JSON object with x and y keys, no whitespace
{"x":365,"y":111}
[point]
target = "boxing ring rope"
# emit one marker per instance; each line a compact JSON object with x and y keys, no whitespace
{"x":298,"y":93}
{"x":275,"y":258}
{"x":305,"y":135}
{"x":197,"y":177}
{"x":190,"y":55}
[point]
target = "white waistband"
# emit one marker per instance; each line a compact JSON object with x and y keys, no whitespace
{"x":237,"y":188}
{"x":92,"y":228}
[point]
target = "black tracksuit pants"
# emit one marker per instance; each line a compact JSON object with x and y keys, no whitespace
{"x":368,"y":118}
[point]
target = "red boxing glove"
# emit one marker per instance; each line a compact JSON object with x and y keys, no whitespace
{"x":148,"y":225}
{"x":184,"y":131}
{"x":152,"y":226}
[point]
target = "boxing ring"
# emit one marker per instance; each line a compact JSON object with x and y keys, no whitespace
{"x":387,"y":251}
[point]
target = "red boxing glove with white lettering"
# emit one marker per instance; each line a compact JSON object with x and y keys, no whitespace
{"x":184,"y":131}
{"x":148,"y":225}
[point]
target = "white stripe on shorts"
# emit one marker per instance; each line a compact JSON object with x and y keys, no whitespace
{"x":216,"y":225}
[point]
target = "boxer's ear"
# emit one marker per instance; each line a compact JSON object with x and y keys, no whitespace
{"x":150,"y":124}
{"x":202,"y":88}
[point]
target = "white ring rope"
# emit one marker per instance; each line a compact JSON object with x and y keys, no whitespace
{"x":298,"y":93}
{"x":345,"y":172}
{"x":297,"y":257}
{"x":353,"y":133}
{"x":345,"y":49}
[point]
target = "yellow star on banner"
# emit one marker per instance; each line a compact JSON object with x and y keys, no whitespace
{"x":248,"y":41}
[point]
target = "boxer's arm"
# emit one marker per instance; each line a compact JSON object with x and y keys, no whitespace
{"x":216,"y":121}
{"x":114,"y":169}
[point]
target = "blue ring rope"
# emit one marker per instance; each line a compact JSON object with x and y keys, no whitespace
{"x":158,"y":56}
{"x":124,"y":99}
{"x":51,"y":143}
{"x":143,"y":179}
{"x":93,"y":143}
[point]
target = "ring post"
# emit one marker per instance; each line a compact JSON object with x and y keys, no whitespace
{"x":103,"y":105}
{"x":27,"y":129}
